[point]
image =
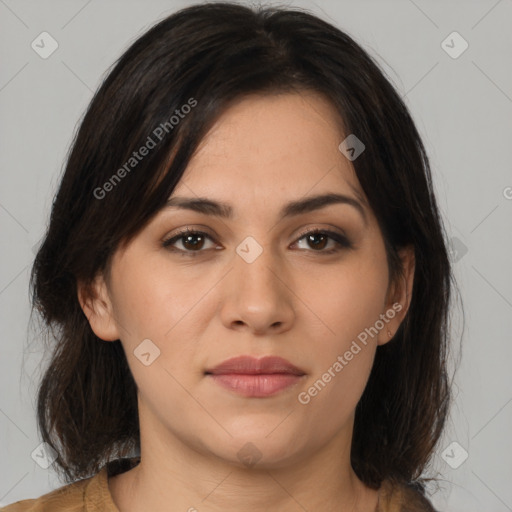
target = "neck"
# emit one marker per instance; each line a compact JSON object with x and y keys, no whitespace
{"x":175,"y":476}
{"x":176,"y":473}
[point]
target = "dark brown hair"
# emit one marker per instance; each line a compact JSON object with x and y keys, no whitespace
{"x":207,"y":56}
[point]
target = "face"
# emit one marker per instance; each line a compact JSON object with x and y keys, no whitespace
{"x":255,"y":283}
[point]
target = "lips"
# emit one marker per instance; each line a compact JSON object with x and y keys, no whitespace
{"x":255,"y":378}
{"x":248,"y":365}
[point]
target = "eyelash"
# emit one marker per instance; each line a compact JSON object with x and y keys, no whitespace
{"x":342,"y":241}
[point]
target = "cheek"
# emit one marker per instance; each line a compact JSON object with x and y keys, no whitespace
{"x":152,"y":298}
{"x":157,"y":303}
{"x":349,"y":301}
{"x":348,"y":298}
{"x":335,"y":392}
{"x":346,"y":349}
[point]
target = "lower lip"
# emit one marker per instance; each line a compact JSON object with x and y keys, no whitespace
{"x":256,"y":386}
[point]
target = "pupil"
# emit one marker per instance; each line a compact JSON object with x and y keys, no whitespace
{"x":322,"y":243}
{"x":188,"y":239}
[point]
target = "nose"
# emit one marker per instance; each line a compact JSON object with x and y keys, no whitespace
{"x":258,"y":294}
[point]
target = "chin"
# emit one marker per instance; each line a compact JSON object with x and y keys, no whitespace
{"x":259,"y":450}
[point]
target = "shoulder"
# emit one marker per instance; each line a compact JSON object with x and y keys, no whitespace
{"x":88,"y":494}
{"x":401,"y":497}
{"x":68,"y":498}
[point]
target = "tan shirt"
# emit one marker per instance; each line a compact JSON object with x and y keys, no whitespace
{"x":93,"y":495}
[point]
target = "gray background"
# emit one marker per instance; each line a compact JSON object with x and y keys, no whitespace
{"x":463,"y":109}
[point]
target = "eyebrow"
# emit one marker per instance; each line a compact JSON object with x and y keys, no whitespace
{"x":293,"y":208}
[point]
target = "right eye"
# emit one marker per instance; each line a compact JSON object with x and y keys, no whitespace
{"x":191,"y":240}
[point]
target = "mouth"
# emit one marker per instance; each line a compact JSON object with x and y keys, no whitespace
{"x":256,"y":378}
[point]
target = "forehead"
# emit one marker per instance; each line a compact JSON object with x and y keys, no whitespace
{"x":271,"y":144}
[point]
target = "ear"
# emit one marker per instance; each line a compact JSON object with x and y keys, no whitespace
{"x":97,"y":307}
{"x":398,"y":297}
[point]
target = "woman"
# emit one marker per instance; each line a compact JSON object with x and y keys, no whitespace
{"x":247,"y":278}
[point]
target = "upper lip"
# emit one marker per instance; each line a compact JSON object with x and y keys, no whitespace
{"x":253,"y":366}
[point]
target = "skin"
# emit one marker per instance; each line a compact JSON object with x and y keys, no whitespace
{"x":292,"y":301}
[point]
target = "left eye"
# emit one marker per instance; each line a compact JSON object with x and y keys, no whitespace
{"x":193,"y":241}
{"x":340,"y":241}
